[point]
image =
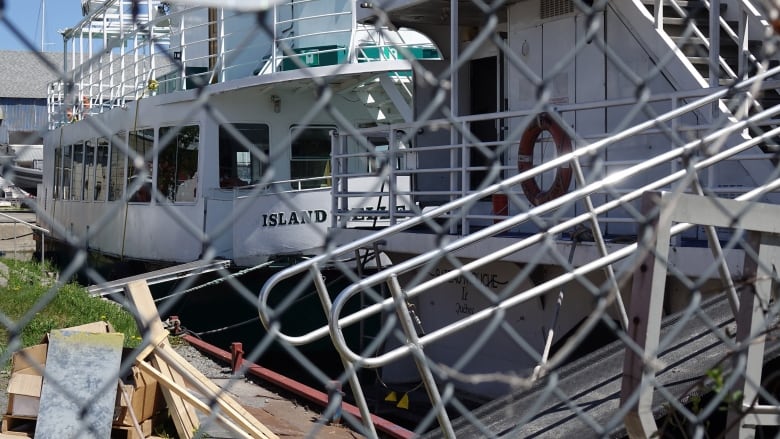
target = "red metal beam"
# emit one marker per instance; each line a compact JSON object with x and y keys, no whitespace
{"x":300,"y":389}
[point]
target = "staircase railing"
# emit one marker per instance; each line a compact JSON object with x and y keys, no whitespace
{"x":461,"y":173}
{"x":749,"y":19}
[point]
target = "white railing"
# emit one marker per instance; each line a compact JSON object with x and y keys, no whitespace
{"x":111,"y":57}
{"x":273,"y":188}
{"x":350,"y":159}
{"x":112,"y":60}
{"x":750,"y":22}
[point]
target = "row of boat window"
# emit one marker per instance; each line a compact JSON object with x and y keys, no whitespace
{"x":100,"y":169}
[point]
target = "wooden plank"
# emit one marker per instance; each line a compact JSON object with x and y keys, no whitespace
{"x":171,"y":362}
{"x":189,"y":397}
{"x":184,"y":417}
{"x":81,"y":372}
{"x":207,"y":387}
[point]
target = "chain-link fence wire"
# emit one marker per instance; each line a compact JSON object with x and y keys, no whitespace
{"x":449,"y":316}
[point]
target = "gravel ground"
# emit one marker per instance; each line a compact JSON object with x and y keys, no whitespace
{"x":283,"y":414}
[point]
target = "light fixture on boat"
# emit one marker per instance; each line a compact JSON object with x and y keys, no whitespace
{"x":277,"y":101}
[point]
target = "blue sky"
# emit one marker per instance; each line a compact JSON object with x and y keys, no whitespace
{"x":26,"y":16}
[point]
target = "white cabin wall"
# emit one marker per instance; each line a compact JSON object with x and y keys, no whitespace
{"x":592,"y":77}
{"x":129,"y":229}
{"x":542,"y":45}
{"x":141,"y":239}
{"x":591,"y":73}
{"x":622,"y":39}
{"x":218,"y":206}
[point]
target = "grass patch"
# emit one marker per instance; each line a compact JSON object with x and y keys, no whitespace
{"x":69,"y":305}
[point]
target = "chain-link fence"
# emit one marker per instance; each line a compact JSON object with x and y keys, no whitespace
{"x":549,"y":218}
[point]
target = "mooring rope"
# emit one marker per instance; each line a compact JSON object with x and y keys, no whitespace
{"x":216,"y":281}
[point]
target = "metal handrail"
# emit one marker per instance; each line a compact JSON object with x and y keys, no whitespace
{"x":522,"y":116}
{"x":426,"y":217}
{"x":337,"y":323}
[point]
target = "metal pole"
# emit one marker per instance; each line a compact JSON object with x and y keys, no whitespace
{"x":417,"y":353}
{"x":714,"y":43}
{"x":354,"y":382}
{"x":43,"y":24}
{"x":454,"y":48}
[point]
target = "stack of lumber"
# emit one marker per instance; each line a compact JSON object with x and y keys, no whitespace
{"x":76,"y":368}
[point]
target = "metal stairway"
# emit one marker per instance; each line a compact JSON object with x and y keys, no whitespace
{"x":387,"y":98}
{"x":724,"y":57}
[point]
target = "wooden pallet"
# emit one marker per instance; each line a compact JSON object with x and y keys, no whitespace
{"x":21,"y":426}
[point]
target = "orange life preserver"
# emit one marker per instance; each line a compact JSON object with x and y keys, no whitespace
{"x":86,"y":102}
{"x":69,"y":114}
{"x":525,"y":160}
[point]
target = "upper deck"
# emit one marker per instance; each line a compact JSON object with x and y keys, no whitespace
{"x":117,"y":54}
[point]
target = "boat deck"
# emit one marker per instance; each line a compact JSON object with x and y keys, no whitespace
{"x":585,"y":394}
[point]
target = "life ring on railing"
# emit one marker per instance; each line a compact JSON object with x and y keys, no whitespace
{"x":69,"y":114}
{"x":86,"y":102}
{"x":525,"y":160}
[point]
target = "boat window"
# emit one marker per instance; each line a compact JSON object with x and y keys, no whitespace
{"x":77,"y":173}
{"x":243,"y":154}
{"x":67,"y":161}
{"x":139,"y":165}
{"x":177,"y":163}
{"x":310,"y":157}
{"x":101,"y":170}
{"x":117,"y":168}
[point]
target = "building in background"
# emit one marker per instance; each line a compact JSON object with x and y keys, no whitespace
{"x":25,"y":76}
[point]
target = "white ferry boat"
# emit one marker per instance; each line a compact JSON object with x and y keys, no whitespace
{"x":183,"y":132}
{"x":547,"y":122}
